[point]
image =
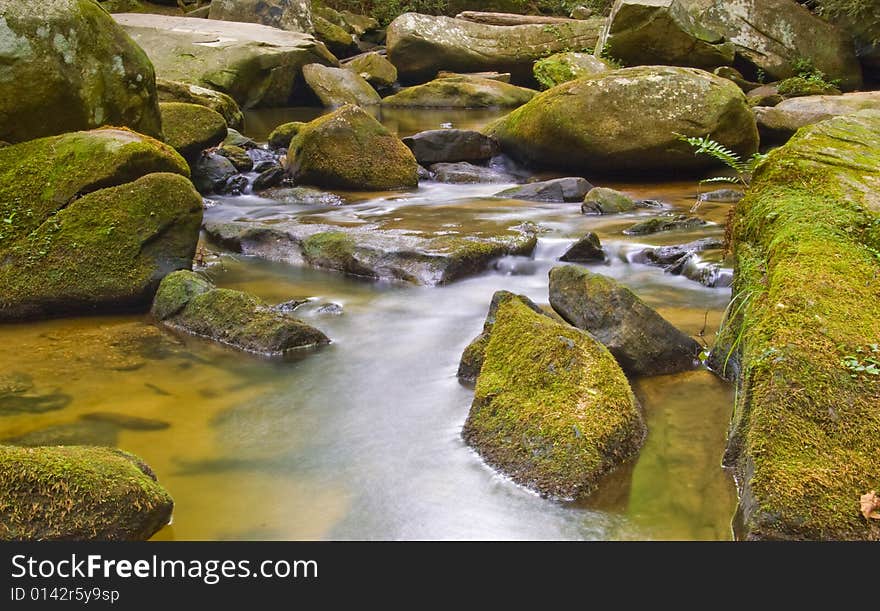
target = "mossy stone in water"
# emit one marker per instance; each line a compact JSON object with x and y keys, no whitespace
{"x":461,"y":92}
{"x":375,"y":68}
{"x":79,"y":493}
{"x":175,"y":91}
{"x":552,"y":409}
{"x":282,"y":135}
{"x":191,"y":128}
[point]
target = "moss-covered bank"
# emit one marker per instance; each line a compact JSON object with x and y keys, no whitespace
{"x":806,"y":430}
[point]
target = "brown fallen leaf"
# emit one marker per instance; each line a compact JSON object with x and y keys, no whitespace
{"x":870,"y":505}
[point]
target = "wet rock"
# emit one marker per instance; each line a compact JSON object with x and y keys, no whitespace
{"x":641,"y":340}
{"x":588,"y":249}
{"x":174,"y":91}
{"x":668,"y":255}
{"x":727,"y":196}
{"x":571,"y":189}
{"x":71,"y":434}
{"x":450,"y":145}
{"x":461,"y":92}
{"x":109,"y":495}
{"x":288,"y":307}
{"x":28,"y":402}
{"x":188,"y":302}
{"x":282,"y":135}
{"x":425,"y":174}
{"x":235,"y":138}
{"x":291,"y":15}
{"x":237,"y":185}
{"x":238,"y":156}
{"x":304,"y":196}
{"x":779,"y":123}
{"x":468,"y":173}
{"x":262,"y":166}
{"x":126,"y":421}
{"x":665,"y":223}
{"x":564,"y":67}
{"x":269,"y":178}
{"x":190,"y":128}
{"x":601,"y":200}
{"x":337,"y":86}
{"x":552,"y":410}
{"x":211,"y":172}
{"x":374,"y":68}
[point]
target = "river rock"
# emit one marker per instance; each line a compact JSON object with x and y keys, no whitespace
{"x":552,"y":410}
{"x":336,"y":38}
{"x":450,"y":145}
{"x":779,"y":123}
{"x":211,"y":172}
{"x":269,"y":178}
{"x":374,"y":68}
{"x":237,"y":156}
{"x":588,"y":249}
{"x":461,"y":92}
{"x":642,"y":341}
{"x":422,"y":45}
{"x":669,"y":255}
{"x":79,"y":493}
{"x":570,"y":189}
{"x":44,"y":91}
{"x":665,"y":32}
{"x":190,"y":128}
{"x":468,"y":173}
{"x":282,"y":135}
{"x":349,"y":149}
{"x":727,"y":196}
{"x":563,"y":67}
{"x":673,"y":222}
{"x":602,"y":200}
{"x":188,"y":302}
{"x":338,"y":86}
{"x":634,"y":114}
{"x":256,"y":65}
{"x":303,"y":196}
{"x":292,"y":15}
{"x":96,"y":220}
{"x":173,"y":91}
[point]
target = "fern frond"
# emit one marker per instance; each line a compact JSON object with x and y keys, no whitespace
{"x":733,"y":180}
{"x":707,"y":146}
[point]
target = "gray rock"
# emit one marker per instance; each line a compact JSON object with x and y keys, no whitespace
{"x":304,"y":196}
{"x":210,"y":172}
{"x":586,"y":250}
{"x":374,"y":68}
{"x":291,"y":15}
{"x":468,"y":173}
{"x":571,"y":189}
{"x":338,"y":86}
{"x":450,"y":145}
{"x":665,"y":223}
{"x":779,"y":123}
{"x":668,"y":255}
{"x":269,"y":178}
{"x":727,"y":196}
{"x":601,"y":200}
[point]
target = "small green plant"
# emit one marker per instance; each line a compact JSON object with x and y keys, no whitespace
{"x":608,"y":55}
{"x":865,"y":361}
{"x":743,"y":169}
{"x":808,"y":78}
{"x":761,"y":76}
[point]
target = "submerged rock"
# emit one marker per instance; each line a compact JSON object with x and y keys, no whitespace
{"x":461,"y":92}
{"x":571,"y":189}
{"x":174,"y":91}
{"x":97,"y":220}
{"x":338,"y":86}
{"x":641,"y":340}
{"x":187,"y":302}
{"x":588,"y":249}
{"x":190,"y":128}
{"x":304,"y":196}
{"x":79,"y":493}
{"x":552,"y":410}
{"x":659,"y":224}
{"x":468,"y":173}
{"x":450,"y":145}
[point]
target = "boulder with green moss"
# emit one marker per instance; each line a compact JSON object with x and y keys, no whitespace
{"x":805,"y":435}
{"x":422,"y":45}
{"x":374,"y":67}
{"x":281,"y":136}
{"x":800,"y":86}
{"x":337,"y":86}
{"x":634,"y":115}
{"x":642,"y":341}
{"x":78,"y":493}
{"x":174,"y":91}
{"x":93,"y":221}
{"x":552,"y":409}
{"x":780,"y":122}
{"x":256,"y":65}
{"x":44,"y":87}
{"x":291,"y":15}
{"x":188,"y":302}
{"x":461,"y":92}
{"x":602,"y":200}
{"x":191,"y":128}
{"x":335,"y":37}
{"x":349,"y":149}
{"x":563,"y":67}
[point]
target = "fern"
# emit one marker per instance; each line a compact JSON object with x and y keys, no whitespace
{"x":743,"y":168}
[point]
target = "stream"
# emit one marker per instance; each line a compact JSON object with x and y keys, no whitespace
{"x":361,"y":439}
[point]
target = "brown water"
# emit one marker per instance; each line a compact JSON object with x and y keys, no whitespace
{"x":361,"y":439}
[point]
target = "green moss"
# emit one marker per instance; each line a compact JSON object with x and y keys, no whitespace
{"x":552,"y":409}
{"x":461,"y":92}
{"x":469,"y":256}
{"x":799,"y":86}
{"x":806,"y":435}
{"x":174,"y":91}
{"x":78,"y":493}
{"x":177,"y":290}
{"x":335,"y":37}
{"x":282,"y":135}
{"x":238,"y":156}
{"x":191,"y":128}
{"x":564,"y":67}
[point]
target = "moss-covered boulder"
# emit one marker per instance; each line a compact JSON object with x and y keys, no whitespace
{"x":374,"y":68}
{"x":422,"y":45}
{"x":335,"y":37}
{"x":602,"y":200}
{"x":634,"y":116}
{"x":93,"y":221}
{"x":349,"y":149}
{"x":187,"y":302}
{"x":779,"y":123}
{"x":78,"y":493}
{"x":191,"y":128}
{"x":552,"y":410}
{"x":587,"y":249}
{"x":563,"y":67}
{"x":799,"y":86}
{"x":282,"y":135}
{"x":461,"y":92}
{"x":806,"y":430}
{"x":256,"y":65}
{"x":336,"y":86}
{"x":174,"y":91}
{"x":292,"y":15}
{"x":642,"y":341}
{"x":66,"y":66}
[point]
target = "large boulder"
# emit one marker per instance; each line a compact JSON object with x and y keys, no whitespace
{"x":66,"y":66}
{"x":188,"y":302}
{"x":291,"y":15}
{"x":191,"y":128}
{"x":444,"y":145}
{"x":780,"y":122}
{"x":552,"y":410}
{"x":349,"y":149}
{"x":563,"y":67}
{"x":255,"y":64}
{"x":422,"y":45}
{"x":94,"y":220}
{"x":79,"y":493}
{"x":336,"y":38}
{"x":805,"y":434}
{"x":187,"y":93}
{"x":634,"y":115}
{"x":462,"y":92}
{"x":338,"y":86}
{"x":642,"y":341}
{"x":374,"y":67}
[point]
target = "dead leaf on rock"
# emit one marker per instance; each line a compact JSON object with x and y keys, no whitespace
{"x":870,"y":505}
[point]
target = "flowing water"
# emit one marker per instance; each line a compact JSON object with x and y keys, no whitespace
{"x":361,"y":439}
